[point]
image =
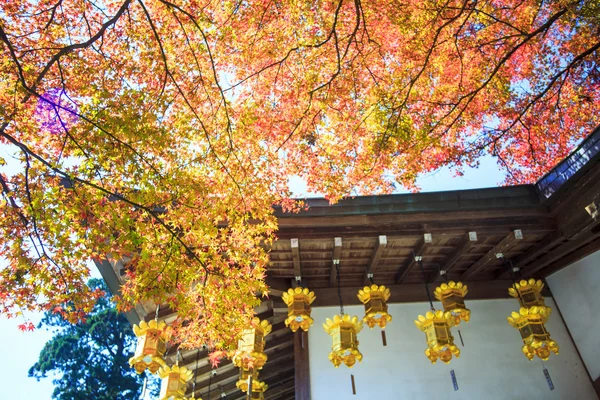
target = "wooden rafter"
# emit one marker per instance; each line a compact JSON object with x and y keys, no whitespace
{"x":548,"y":242}
{"x":374,"y":260}
{"x":294,"y":243}
{"x":337,"y":252}
{"x":504,"y":245}
{"x":465,"y":244}
{"x":411,"y":262}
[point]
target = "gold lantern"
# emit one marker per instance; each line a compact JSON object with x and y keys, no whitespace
{"x":452,"y":296}
{"x":529,"y":293}
{"x":251,"y":346}
{"x":376,"y":310}
{"x":536,"y":339}
{"x":298,"y":301}
{"x":440,"y":342}
{"x":258,"y":387}
{"x":151,"y":346}
{"x":343,"y":330}
{"x":174,"y":382}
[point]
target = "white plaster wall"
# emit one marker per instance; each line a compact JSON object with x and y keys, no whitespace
{"x":576,"y":290}
{"x":491,"y":365}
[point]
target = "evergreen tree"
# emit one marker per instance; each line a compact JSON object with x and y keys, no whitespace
{"x":90,"y":359}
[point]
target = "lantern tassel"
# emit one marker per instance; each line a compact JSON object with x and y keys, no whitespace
{"x":143,"y":395}
{"x":383,"y":338}
{"x":353,"y":385}
{"x":547,"y":375}
{"x":454,"y":381}
{"x":461,"y":339}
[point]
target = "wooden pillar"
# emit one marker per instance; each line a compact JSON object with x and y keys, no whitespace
{"x":301,"y":367}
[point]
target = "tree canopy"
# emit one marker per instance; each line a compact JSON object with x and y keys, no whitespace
{"x":165,"y":130}
{"x":90,"y":359}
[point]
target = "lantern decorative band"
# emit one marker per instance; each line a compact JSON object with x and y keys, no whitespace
{"x":257,"y":386}
{"x":343,"y":330}
{"x":440,"y":342}
{"x":529,"y":293}
{"x":452,"y":295}
{"x":298,"y":301}
{"x":174,"y":382}
{"x":251,"y":346}
{"x":375,"y":300}
{"x":151,"y":346}
{"x":536,"y":339}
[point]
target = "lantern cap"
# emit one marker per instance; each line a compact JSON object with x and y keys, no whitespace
{"x":532,"y":284}
{"x":365,"y":293}
{"x":455,"y":287}
{"x":436,"y":316}
{"x":535,"y":312}
{"x":288,"y":297}
{"x":338,"y":320}
{"x":264,"y":326}
{"x":144,"y":327}
{"x":184,"y":374}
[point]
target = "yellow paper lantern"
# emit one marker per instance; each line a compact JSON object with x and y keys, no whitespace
{"x":251,"y":346}
{"x":536,"y":339}
{"x":151,"y":346}
{"x":298,"y":301}
{"x":257,"y":386}
{"x":452,"y":295}
{"x":343,"y":330}
{"x":376,"y":310}
{"x":529,"y":293}
{"x":440,"y":342}
{"x":174,"y":382}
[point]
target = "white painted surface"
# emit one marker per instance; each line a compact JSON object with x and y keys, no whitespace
{"x":491,"y":365}
{"x":576,"y":290}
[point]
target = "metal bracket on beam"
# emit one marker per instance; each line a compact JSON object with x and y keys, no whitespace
{"x":473,"y":236}
{"x":370,"y":275}
{"x":427,"y":238}
{"x":593,"y":210}
{"x":418,"y":258}
{"x":499,"y":255}
{"x":336,"y":262}
{"x":298,"y":278}
{"x":516,"y":269}
{"x":442,"y":272}
{"x":518,"y":234}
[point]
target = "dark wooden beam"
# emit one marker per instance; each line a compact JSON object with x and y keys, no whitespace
{"x":410,"y":263}
{"x":280,"y":371}
{"x":465,"y":244}
{"x":277,"y":286}
{"x":374,"y":261}
{"x":546,"y":244}
{"x":575,"y":256}
{"x":561,"y":251}
{"x":481,"y":226}
{"x":410,"y":293}
{"x":280,"y":359}
{"x":490,"y":256}
{"x":301,"y":368}
{"x":337,"y":251}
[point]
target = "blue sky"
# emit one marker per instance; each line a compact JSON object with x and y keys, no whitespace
{"x":21,"y":349}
